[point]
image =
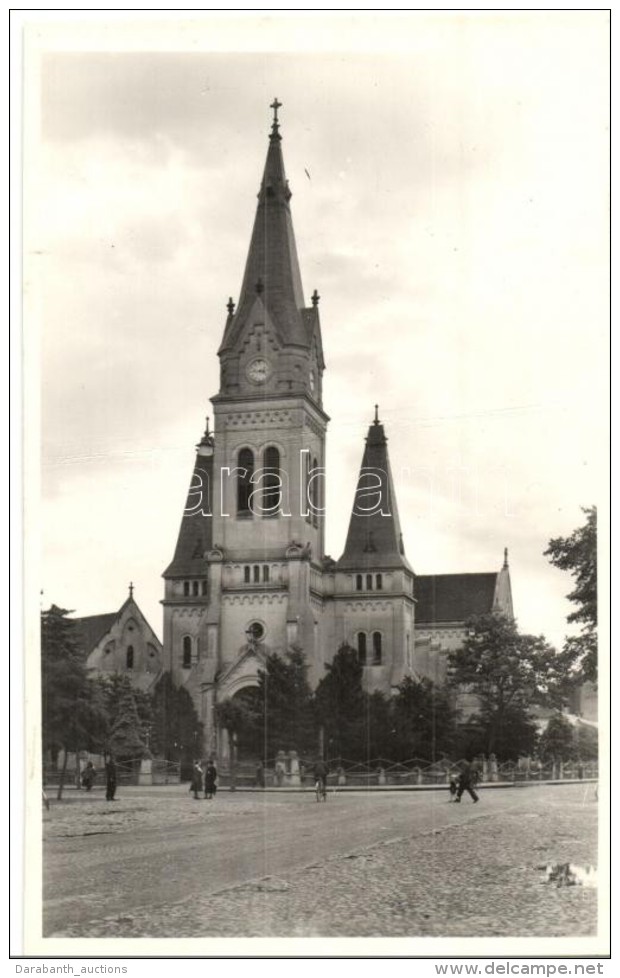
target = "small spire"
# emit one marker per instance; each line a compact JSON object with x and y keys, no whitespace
{"x":207,"y":438}
{"x":131,"y":589}
{"x":315,"y":298}
{"x":230,"y":306}
{"x":376,"y":414}
{"x":505,"y":558}
{"x":275,"y":126}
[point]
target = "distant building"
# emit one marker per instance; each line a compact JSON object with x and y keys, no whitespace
{"x":122,"y":643}
{"x":249,"y":575}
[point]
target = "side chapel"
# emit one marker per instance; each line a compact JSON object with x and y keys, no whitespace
{"x":250,"y":575}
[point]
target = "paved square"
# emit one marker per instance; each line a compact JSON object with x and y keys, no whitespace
{"x":156,"y":863}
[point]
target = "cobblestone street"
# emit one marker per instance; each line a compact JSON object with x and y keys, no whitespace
{"x":156,"y":863}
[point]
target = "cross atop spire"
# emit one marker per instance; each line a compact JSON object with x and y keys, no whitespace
{"x":376,"y":421}
{"x":131,"y":589}
{"x":275,"y":126}
{"x":505,"y":556}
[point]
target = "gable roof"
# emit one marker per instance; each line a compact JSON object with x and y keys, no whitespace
{"x":453,"y":597}
{"x":90,"y":630}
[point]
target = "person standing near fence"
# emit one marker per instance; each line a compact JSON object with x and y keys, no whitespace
{"x":89,"y":775}
{"x":110,"y":778}
{"x":210,"y":780}
{"x":196,"y":785}
{"x":467,"y":780}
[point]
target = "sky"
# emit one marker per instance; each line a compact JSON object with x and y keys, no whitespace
{"x":450,"y":205}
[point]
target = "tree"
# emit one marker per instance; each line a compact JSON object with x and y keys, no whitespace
{"x":176,"y":730}
{"x":284,"y":716}
{"x":557,"y":741}
{"x":127,"y":740}
{"x":128,"y":716}
{"x":340,"y":706}
{"x":72,"y":713}
{"x":507,"y":672}
{"x":424,"y":720}
{"x":577,"y":554}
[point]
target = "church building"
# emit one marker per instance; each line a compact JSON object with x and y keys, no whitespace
{"x":121,"y":643}
{"x":250,"y":575}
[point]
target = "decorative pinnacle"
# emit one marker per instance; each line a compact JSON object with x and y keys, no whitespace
{"x":505,"y":557}
{"x":131,"y":589}
{"x":376,"y":414}
{"x":230,"y":306}
{"x":315,"y":298}
{"x":275,"y":126}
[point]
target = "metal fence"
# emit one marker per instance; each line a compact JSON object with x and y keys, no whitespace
{"x":416,"y":771}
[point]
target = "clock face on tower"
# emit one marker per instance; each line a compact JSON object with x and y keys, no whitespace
{"x":258,"y":370}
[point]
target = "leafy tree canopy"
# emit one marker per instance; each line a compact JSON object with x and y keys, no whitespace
{"x":72,"y":711}
{"x":507,"y":672}
{"x":577,"y":554}
{"x":424,"y":720}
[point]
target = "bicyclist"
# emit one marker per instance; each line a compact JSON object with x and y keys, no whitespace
{"x":320,"y":774}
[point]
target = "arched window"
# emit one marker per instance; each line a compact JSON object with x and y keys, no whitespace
{"x":376,"y":648}
{"x":266,"y":574}
{"x":246,"y":575}
{"x":256,"y":573}
{"x":187,"y":652}
{"x":379,"y":582}
{"x":315,"y":497}
{"x":245,"y":464}
{"x":195,"y":589}
{"x":359,"y":582}
{"x":272,"y":482}
{"x":361,"y":648}
{"x":186,"y":588}
{"x":129,"y":657}
{"x":369,"y":582}
{"x":307,"y":509}
{"x":204,"y":587}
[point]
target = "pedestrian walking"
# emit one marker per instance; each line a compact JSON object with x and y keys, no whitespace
{"x":110,"y":778}
{"x":467,"y":780}
{"x":453,"y":788}
{"x":260,"y":775}
{"x":88,"y":776}
{"x":210,"y":780}
{"x":196,"y":783}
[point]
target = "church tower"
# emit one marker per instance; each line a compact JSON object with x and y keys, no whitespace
{"x":246,"y":576}
{"x":374,"y":586}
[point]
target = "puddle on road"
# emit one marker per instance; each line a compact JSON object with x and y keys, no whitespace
{"x":569,"y":874}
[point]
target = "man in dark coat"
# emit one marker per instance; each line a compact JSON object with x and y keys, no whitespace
{"x":467,"y":780}
{"x":210,"y":780}
{"x":110,"y":778}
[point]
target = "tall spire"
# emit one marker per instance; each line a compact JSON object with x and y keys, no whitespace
{"x":374,"y":538}
{"x":272,"y":267}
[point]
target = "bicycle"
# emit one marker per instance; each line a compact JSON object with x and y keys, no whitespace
{"x":320,"y":789}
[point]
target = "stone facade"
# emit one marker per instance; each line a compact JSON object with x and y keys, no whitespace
{"x":246,"y":579}
{"x":122,"y":643}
